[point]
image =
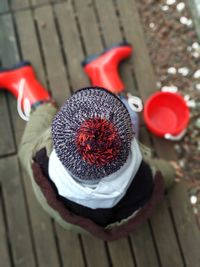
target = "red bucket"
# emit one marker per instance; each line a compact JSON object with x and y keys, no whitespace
{"x":166,"y":113}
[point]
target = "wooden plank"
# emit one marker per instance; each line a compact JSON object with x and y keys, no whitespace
{"x":165,"y":237}
{"x":4,"y":254}
{"x":121,"y":257}
{"x":89,"y":27}
{"x":94,"y":251}
{"x":30,"y":49}
{"x":134,"y":34}
{"x":144,"y":252}
{"x":43,"y":235}
{"x":112,"y":35}
{"x":19,"y":232}
{"x":19,"y":4}
{"x":150,"y":251}
{"x":10,"y":58}
{"x":7,"y":145}
{"x":43,"y":2}
{"x":4,"y":7}
{"x":56,"y":69}
{"x":163,"y":228}
{"x":39,"y":2}
{"x":194,"y":6}
{"x":72,"y":45}
{"x":106,"y":14}
{"x":188,"y":231}
{"x":70,"y":248}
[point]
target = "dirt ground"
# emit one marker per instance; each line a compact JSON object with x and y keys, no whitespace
{"x":175,"y":52}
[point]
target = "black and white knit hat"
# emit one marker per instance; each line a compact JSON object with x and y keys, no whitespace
{"x":92,"y":134}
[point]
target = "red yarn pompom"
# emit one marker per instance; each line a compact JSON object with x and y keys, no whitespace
{"x":97,"y":141}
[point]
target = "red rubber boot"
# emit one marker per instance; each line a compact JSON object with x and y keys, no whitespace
{"x":20,"y":80}
{"x":102,"y":68}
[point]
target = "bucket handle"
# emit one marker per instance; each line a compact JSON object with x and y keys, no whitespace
{"x":169,"y":136}
{"x":135,"y":103}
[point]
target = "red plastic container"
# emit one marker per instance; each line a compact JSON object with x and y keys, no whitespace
{"x":166,"y":113}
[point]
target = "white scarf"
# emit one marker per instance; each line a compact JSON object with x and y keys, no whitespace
{"x":108,"y":191}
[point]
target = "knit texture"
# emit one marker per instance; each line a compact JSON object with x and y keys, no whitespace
{"x":92,"y":134}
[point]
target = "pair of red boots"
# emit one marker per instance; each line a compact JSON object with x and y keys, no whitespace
{"x":102,"y":70}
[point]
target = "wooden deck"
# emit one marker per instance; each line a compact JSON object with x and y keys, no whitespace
{"x":56,"y":37}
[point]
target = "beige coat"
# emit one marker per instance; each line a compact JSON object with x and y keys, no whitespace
{"x":37,"y":135}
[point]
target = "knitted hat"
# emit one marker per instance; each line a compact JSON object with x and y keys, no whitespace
{"x":92,"y":134}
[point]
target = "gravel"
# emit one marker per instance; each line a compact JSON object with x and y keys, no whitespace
{"x":175,"y":54}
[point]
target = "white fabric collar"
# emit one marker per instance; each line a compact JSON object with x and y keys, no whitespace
{"x":109,"y":190}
